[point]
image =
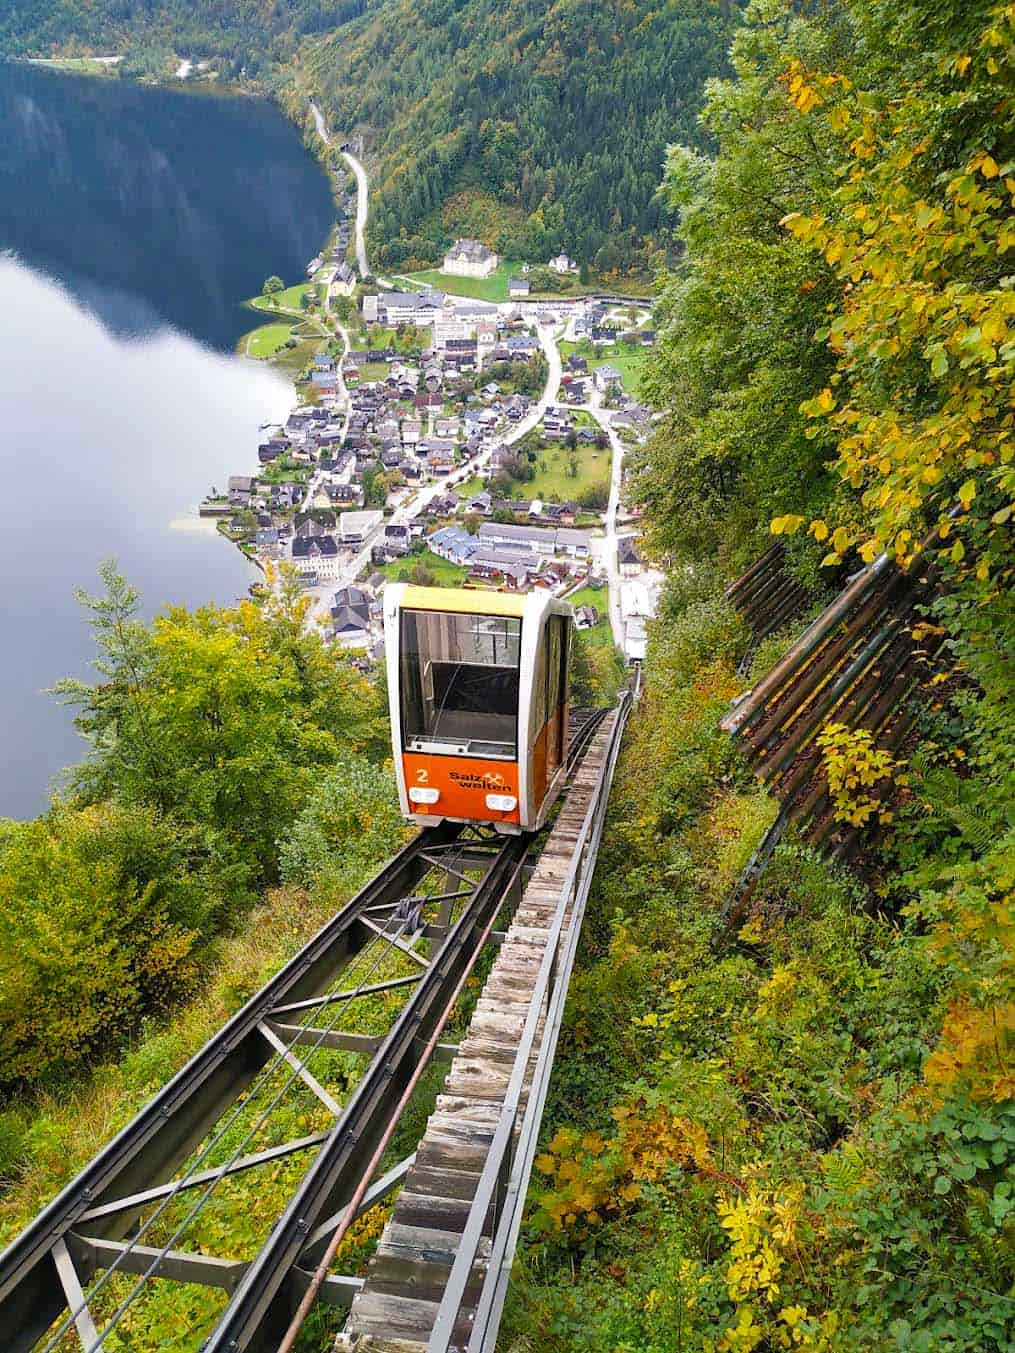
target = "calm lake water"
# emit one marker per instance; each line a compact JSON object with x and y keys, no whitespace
{"x":133,"y":222}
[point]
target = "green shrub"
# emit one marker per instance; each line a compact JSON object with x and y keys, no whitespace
{"x":351,"y":820}
{"x":99,"y":918}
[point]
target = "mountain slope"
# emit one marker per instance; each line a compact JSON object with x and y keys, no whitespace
{"x":538,"y":126}
{"x":248,"y":31}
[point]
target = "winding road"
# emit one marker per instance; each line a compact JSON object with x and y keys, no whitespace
{"x":362,"y":190}
{"x":611,"y":560}
{"x":362,"y":208}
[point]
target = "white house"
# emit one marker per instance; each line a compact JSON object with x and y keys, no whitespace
{"x":518,"y":288}
{"x":469,"y":258}
{"x":563,"y":264}
{"x":605,"y":376}
{"x":354,"y":527}
{"x":575,"y":543}
{"x":407,"y":307}
{"x":628,"y":557}
{"x":316,"y":556}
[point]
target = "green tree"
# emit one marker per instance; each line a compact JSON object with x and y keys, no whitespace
{"x":219,"y":716}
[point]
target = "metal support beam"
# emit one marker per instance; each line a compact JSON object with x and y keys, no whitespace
{"x":309,"y":1080}
{"x":178,"y":1265}
{"x":68,"y":1275}
{"x":396,"y":942}
{"x":377,"y":1191}
{"x":338,"y":1289}
{"x":442,"y":864}
{"x":445,"y":1052}
{"x":294,"y":1007}
{"x":420,"y":900}
{"x":135,"y":1201}
{"x":302,"y":1034}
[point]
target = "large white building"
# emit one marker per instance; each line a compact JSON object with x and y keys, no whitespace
{"x":448,"y":325}
{"x":469,"y":258}
{"x":407,"y":307}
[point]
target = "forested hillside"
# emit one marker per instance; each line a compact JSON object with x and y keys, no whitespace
{"x":249,"y":34}
{"x":797,"y":1131}
{"x":537,"y":126}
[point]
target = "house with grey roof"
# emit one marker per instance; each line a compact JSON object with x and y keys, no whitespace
{"x":541,"y":539}
{"x":353,"y":600}
{"x":354,"y":527}
{"x":605,"y":376}
{"x":469,"y":258}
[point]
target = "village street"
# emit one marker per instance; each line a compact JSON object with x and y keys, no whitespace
{"x":609,"y":557}
{"x":417,"y":505}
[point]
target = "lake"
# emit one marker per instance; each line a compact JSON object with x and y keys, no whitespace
{"x":133,"y":222}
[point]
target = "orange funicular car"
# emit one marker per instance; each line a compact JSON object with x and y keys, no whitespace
{"x":478,"y":693}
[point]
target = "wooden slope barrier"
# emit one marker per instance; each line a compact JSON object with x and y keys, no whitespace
{"x":767,"y":596}
{"x":857,"y":664}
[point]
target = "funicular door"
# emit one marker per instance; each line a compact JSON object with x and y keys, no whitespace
{"x":556,"y":695}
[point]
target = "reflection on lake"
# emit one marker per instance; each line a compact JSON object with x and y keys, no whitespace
{"x":140,"y":219}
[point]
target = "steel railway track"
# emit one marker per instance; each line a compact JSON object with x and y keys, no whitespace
{"x":81,"y":1270}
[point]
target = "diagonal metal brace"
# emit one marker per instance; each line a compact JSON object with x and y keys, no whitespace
{"x":310,"y":1081}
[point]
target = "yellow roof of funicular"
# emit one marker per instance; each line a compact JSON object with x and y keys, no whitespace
{"x":466,"y":601}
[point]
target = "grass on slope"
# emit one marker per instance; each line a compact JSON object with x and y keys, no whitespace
{"x":492,"y":288}
{"x":632,"y":364}
{"x":600,"y":634}
{"x":289,"y":299}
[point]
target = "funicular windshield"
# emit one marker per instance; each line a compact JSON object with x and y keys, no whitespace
{"x":459,"y":683}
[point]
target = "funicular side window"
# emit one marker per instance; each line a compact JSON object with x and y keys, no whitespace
{"x":459,"y":683}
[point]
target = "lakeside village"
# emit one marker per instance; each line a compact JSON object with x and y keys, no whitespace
{"x":442,"y":439}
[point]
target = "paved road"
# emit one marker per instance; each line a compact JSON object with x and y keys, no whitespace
{"x":362,"y":189}
{"x":343,"y":401}
{"x":548,"y":342}
{"x":362,"y":210}
{"x":610,"y":557}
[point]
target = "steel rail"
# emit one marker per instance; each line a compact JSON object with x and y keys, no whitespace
{"x":320,"y":1273}
{"x":258,"y":1312}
